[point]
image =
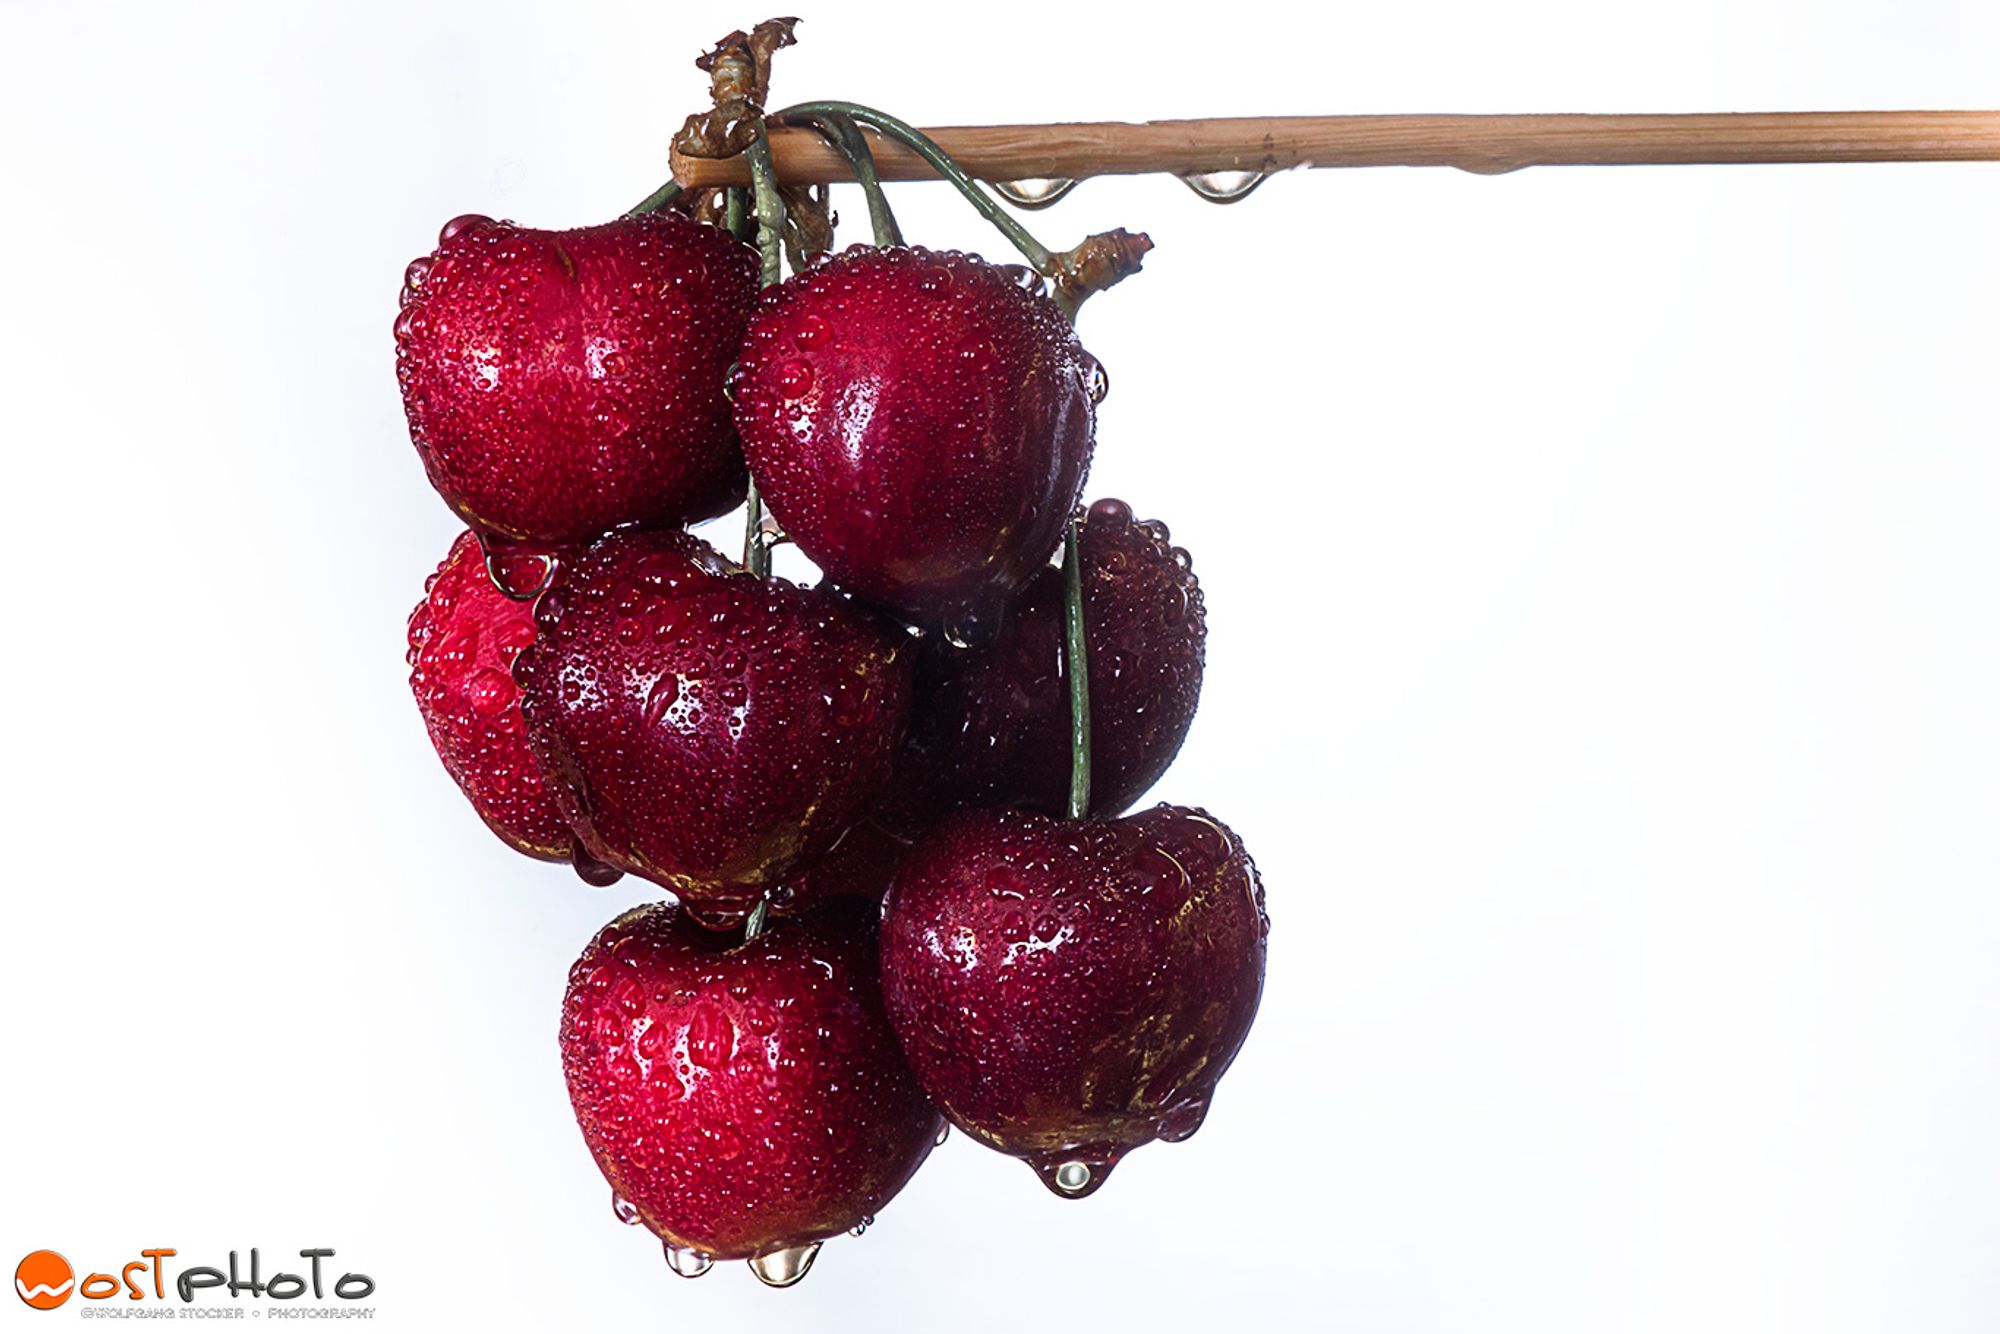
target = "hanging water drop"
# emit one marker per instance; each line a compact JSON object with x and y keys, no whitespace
{"x":944,"y":1133}
{"x":1071,"y":1178}
{"x":867,"y":1221}
{"x":624,"y":1210}
{"x":1097,"y":383}
{"x":591,"y":871}
{"x":519,"y":575}
{"x":687,"y":1261}
{"x":781,"y":1269}
{"x":1223,"y":187}
{"x":1034,"y":191}
{"x":1183,"y":1121}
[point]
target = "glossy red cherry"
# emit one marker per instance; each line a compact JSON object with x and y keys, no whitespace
{"x":711,"y":731}
{"x":464,"y":637}
{"x":992,"y":724}
{"x":744,"y":1099}
{"x":1068,"y":991}
{"x":920,"y":423}
{"x":561,"y":383}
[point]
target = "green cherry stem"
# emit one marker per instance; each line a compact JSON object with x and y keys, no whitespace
{"x":840,"y":130}
{"x":657,"y":200}
{"x":1076,"y":664}
{"x":941,"y":162}
{"x":736,"y":211}
{"x":770,"y":209}
{"x":770,"y":233}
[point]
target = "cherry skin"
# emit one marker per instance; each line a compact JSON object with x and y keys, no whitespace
{"x":920,"y":423}
{"x":464,"y":638}
{"x":561,"y":383}
{"x":862,"y":864}
{"x":992,"y":724}
{"x":1068,"y":991}
{"x":713,"y":732}
{"x":742,"y":1098}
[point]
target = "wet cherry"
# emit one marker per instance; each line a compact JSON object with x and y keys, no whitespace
{"x":745,"y":1099}
{"x":1068,"y":991}
{"x":992,"y":724}
{"x":862,"y":864}
{"x":464,"y":637}
{"x":561,"y":383}
{"x":711,"y":731}
{"x":920,"y":424}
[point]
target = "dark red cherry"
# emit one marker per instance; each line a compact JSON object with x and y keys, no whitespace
{"x":745,"y":1099}
{"x":464,"y":637}
{"x":561,"y":383}
{"x":711,"y":731}
{"x":1068,"y":991}
{"x":920,"y":424}
{"x":861,"y":865}
{"x":992,"y":724}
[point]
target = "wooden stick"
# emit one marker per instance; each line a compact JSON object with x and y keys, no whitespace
{"x":1485,"y":144}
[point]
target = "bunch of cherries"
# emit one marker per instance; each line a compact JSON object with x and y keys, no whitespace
{"x":888,"y":806}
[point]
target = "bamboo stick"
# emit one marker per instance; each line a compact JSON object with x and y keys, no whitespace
{"x":1485,"y":144}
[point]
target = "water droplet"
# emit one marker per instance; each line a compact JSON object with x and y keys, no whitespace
{"x":1025,"y":278}
{"x":406,"y":321}
{"x":1095,"y":382}
{"x":1223,"y":187}
{"x":521,"y":576}
{"x":624,"y":1210}
{"x":1114,"y":513}
{"x":795,"y":379}
{"x":972,"y":627}
{"x":944,"y":1133}
{"x":1034,"y":191}
{"x":1071,"y":1178}
{"x":814,"y":332}
{"x":687,"y":1261}
{"x":867,"y":1221}
{"x":413,"y":276}
{"x":614,"y":417}
{"x":729,"y":381}
{"x":590,"y":870}
{"x":1183,"y":1121}
{"x":464,"y":222}
{"x":781,"y":1269}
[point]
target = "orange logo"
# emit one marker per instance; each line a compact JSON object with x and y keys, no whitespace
{"x":44,"y":1280}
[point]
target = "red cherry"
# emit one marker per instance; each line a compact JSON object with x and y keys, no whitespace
{"x":743,"y":1099}
{"x":464,"y":637}
{"x":920,"y":424}
{"x":1069,"y":991}
{"x":992,"y":724}
{"x":711,"y":731}
{"x":561,"y":383}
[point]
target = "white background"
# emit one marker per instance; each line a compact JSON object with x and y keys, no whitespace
{"x":1602,"y":578}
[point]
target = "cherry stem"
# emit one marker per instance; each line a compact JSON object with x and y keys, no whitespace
{"x":770,"y":234}
{"x":941,"y":162}
{"x":736,"y":211}
{"x":657,"y":200}
{"x":1076,"y":663}
{"x":770,"y":208}
{"x":840,"y":130}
